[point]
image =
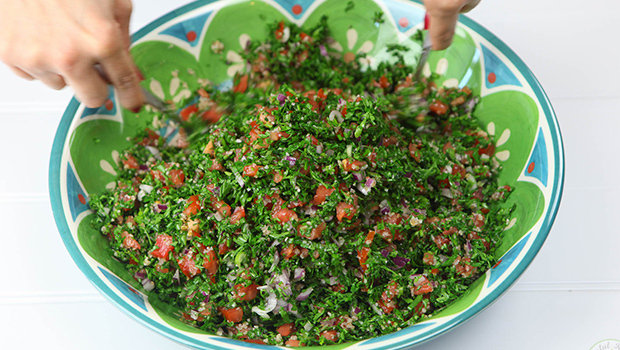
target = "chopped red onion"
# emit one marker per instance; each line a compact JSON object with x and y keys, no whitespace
{"x":323,"y":50}
{"x":370,"y":182}
{"x":337,"y":115}
{"x":468,"y":247}
{"x":270,"y":305}
{"x":357,"y":310}
{"x":299,"y":273}
{"x":358,"y":176}
{"x":319,"y":149}
{"x":384,"y":207}
{"x":414,"y":276}
{"x":281,"y":98}
{"x":409,"y":175}
{"x":400,"y":262}
{"x":143,"y":167}
{"x":140,"y":275}
{"x":291,"y":160}
{"x":385,"y":253}
{"x":148,"y":285}
{"x":305,"y":294}
{"x":385,"y":210}
{"x":276,"y":260}
{"x":176,"y":276}
{"x":308,"y":326}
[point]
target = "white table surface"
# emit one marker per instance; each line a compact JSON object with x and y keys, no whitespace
{"x":569,"y":298}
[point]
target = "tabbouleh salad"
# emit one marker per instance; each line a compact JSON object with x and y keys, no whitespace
{"x":330,"y":203}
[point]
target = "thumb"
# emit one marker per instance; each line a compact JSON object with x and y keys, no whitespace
{"x":441,"y":28}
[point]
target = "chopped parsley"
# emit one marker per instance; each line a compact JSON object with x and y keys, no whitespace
{"x":330,"y":203}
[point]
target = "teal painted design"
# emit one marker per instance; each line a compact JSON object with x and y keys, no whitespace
{"x":296,"y":8}
{"x":108,"y":108}
{"x":405,"y":16}
{"x":124,"y":288}
{"x":76,"y":194}
{"x":497,"y":72}
{"x":502,"y":265}
{"x":537,"y":165}
{"x":189,"y":30}
{"x":408,"y":330}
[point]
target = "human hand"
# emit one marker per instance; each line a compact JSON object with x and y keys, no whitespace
{"x":443,"y":15}
{"x":60,"y":41}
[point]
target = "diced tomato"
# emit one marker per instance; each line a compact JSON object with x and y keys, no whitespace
{"x":157,"y":175}
{"x":452,"y":230}
{"x":242,"y":86}
{"x":177,"y":177}
{"x":211,"y":262}
{"x":253,"y":341}
{"x":313,"y":140}
{"x":429,"y":258}
{"x":384,"y":82}
{"x":463,"y":268}
{"x":424,"y":286}
{"x":477,"y":220}
{"x":362,"y":257}
{"x":161,"y":269}
{"x":289,"y":251}
{"x":293,"y":343}
{"x":414,"y":152}
{"x":130,"y":162}
{"x":321,"y":193}
{"x":223,"y":248}
{"x":285,"y":215}
{"x":286,"y":329}
{"x":387,"y":306}
{"x":216,"y":165}
{"x":209,"y":149}
{"x":164,"y":246}
{"x":187,"y":264}
{"x":129,"y":242}
{"x":315,"y":233}
{"x":250,"y":170}
{"x":440,"y":241}
{"x":222,"y":208}
{"x":352,"y":165}
{"x":345,"y":211}
{"x":488,"y":150}
{"x":438,"y":107}
{"x":211,"y":115}
{"x":193,"y":206}
{"x":245,"y":293}
{"x":330,"y":335}
{"x":369,"y":237}
{"x":277,"y":177}
{"x":237,"y":215}
{"x":234,"y":315}
{"x":188,"y":111}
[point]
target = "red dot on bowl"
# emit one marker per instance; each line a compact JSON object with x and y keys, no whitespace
{"x":497,"y":263}
{"x":109,"y":105}
{"x":191,"y":35}
{"x":81,"y":198}
{"x":491,"y":78}
{"x":297,"y":9}
{"x":530,"y":167}
{"x":403,"y":22}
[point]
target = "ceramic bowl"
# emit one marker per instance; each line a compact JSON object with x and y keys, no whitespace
{"x":176,"y":48}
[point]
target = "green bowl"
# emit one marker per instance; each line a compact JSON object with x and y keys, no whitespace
{"x":176,"y":48}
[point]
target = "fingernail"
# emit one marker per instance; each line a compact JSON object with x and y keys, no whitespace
{"x":140,"y":75}
{"x":137,"y":109}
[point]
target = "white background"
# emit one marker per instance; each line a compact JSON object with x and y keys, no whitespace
{"x":569,"y":298}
